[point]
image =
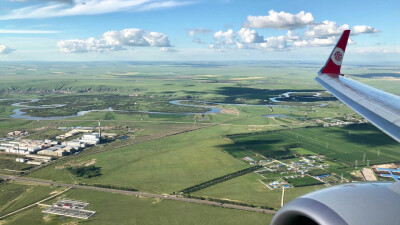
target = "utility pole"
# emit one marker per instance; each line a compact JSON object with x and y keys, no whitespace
{"x":364,"y":157}
{"x":356,"y":164}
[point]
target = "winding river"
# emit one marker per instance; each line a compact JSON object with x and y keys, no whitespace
{"x":20,"y":114}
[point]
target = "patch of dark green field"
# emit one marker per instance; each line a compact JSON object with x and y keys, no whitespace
{"x":303,"y":181}
{"x":343,"y":144}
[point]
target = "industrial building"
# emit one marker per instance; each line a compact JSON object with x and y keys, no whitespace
{"x":73,"y":133}
{"x":38,"y":152}
{"x":90,"y":139}
{"x":70,"y":208}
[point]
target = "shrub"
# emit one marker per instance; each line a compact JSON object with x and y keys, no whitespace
{"x":85,"y":171}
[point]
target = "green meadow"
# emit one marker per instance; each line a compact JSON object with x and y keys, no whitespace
{"x":123,"y":209}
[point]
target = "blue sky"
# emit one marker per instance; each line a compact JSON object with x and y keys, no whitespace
{"x":96,"y":30}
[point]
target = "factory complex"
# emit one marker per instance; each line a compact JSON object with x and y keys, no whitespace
{"x":41,"y":151}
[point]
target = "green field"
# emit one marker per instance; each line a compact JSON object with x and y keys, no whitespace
{"x":249,"y":189}
{"x":123,"y":209}
{"x":166,"y":153}
{"x":343,"y":144}
{"x":165,"y":165}
{"x":303,"y":181}
{"x":14,"y":196}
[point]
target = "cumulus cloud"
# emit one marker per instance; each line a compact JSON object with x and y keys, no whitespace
{"x":363,"y":29}
{"x":116,"y":40}
{"x":4,"y":50}
{"x":197,"y":31}
{"x":315,"y":34}
{"x":53,"y":8}
{"x":325,"y":29}
{"x":275,"y":43}
{"x":250,"y":36}
{"x":227,"y":37}
{"x":291,"y":36}
{"x":280,"y":20}
{"x":330,"y":28}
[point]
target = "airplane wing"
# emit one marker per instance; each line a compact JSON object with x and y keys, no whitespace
{"x":369,"y":203}
{"x":380,"y":108}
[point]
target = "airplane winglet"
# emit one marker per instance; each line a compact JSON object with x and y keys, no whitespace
{"x":332,"y":66}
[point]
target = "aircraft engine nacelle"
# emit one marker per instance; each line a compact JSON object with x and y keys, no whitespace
{"x":371,"y":203}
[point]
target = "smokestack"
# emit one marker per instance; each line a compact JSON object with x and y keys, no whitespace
{"x":99,"y":131}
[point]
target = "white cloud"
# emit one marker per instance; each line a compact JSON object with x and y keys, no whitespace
{"x":250,"y":36}
{"x":325,"y":29}
{"x":330,"y":28}
{"x":275,"y":43}
{"x":165,"y":49}
{"x":316,"y":42}
{"x":319,"y":42}
{"x":227,"y":37}
{"x":88,"y":7}
{"x":5,"y":31}
{"x":115,"y":40}
{"x":363,"y":29}
{"x":5,"y":49}
{"x":197,"y":31}
{"x":291,"y":36}
{"x":280,"y":20}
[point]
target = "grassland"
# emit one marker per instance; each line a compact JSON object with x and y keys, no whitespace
{"x":8,"y":164}
{"x":14,"y":196}
{"x":342,"y":144}
{"x":250,"y":190}
{"x":122,"y":209}
{"x":164,"y":165}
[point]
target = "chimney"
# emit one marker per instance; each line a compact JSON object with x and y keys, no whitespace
{"x":99,"y":131}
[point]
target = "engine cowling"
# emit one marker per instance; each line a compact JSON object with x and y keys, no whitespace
{"x":371,"y":203}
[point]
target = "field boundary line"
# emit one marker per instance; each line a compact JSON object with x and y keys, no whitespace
{"x":266,"y":185}
{"x":36,"y":203}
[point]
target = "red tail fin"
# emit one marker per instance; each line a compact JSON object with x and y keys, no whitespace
{"x":334,"y":62}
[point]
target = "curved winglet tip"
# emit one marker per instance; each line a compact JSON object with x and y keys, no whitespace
{"x":335,"y":59}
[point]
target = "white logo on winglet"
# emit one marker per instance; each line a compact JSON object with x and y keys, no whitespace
{"x":337,"y":56}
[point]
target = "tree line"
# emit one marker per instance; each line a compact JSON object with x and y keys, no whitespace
{"x":223,"y":201}
{"x":219,"y":180}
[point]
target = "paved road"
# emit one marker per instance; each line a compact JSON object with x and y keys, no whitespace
{"x":138,"y":193}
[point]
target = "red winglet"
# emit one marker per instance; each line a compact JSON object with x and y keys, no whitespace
{"x":332,"y":66}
